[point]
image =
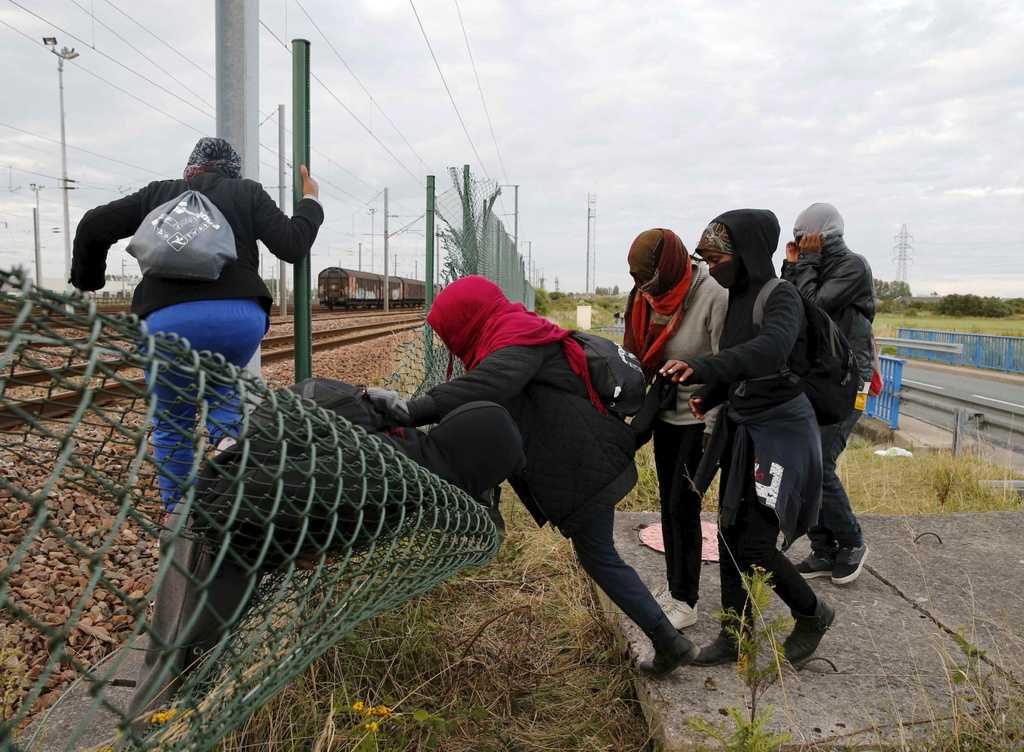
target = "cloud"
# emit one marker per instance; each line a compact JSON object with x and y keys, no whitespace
{"x":671,"y":111}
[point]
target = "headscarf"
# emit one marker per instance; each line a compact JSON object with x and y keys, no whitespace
{"x":473,"y":318}
{"x":655,"y":308}
{"x":823,"y":219}
{"x":213,"y":155}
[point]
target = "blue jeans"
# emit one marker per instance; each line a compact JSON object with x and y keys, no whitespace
{"x":837,"y":524}
{"x":233,"y":328}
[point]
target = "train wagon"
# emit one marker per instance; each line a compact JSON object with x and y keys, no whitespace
{"x":346,"y":288}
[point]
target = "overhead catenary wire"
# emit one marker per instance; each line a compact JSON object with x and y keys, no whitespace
{"x":451,"y":97}
{"x":359,"y":81}
{"x":79,"y":66}
{"x":162,"y":41}
{"x":114,"y":60}
{"x":152,"y":62}
{"x":480,"y":88}
{"x":81,"y":149}
{"x":347,"y":109}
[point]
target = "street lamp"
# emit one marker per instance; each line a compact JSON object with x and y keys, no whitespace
{"x":64,"y":54}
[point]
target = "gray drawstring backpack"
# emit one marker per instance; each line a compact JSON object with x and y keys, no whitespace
{"x":185,"y":238}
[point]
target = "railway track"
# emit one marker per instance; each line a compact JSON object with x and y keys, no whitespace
{"x":273,"y":349}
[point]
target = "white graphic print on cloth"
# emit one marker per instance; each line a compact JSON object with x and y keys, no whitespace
{"x":768,"y":492}
{"x":181,"y":231}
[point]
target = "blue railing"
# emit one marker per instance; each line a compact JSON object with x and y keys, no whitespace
{"x":886,"y":406}
{"x":979,"y":350}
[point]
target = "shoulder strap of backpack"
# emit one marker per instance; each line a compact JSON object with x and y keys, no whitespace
{"x":762,"y":299}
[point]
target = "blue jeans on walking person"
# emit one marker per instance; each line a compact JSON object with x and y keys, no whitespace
{"x":837,"y":524}
{"x":231,"y":327}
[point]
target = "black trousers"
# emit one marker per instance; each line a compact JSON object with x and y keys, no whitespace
{"x":677,"y":453}
{"x":751,"y":542}
{"x":595,"y":549}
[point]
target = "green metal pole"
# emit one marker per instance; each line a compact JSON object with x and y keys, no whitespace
{"x":300,"y":156}
{"x":430,"y":241}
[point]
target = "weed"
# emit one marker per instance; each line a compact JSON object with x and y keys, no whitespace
{"x":760,"y":666}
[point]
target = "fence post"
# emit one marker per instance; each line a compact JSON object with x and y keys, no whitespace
{"x":429,"y":280}
{"x":300,"y":156}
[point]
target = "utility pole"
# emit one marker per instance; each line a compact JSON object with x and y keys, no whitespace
{"x":35,"y":188}
{"x":903,"y":252}
{"x":360,"y":263}
{"x":236,"y":44}
{"x":387,"y":281}
{"x":591,"y":239}
{"x":515,"y":225}
{"x":282,"y":197}
{"x":64,"y":54}
{"x":373,"y":212}
{"x":529,"y":262}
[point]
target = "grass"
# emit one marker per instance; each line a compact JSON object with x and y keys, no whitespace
{"x":603,"y":308}
{"x":515,"y":656}
{"x":887,"y":324}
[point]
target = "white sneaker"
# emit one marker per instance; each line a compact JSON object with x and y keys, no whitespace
{"x":679,"y":613}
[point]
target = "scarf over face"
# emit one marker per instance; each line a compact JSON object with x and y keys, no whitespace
{"x":655,"y":309}
{"x":213,"y":155}
{"x":473,"y":318}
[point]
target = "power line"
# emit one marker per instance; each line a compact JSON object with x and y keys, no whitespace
{"x":112,"y":59}
{"x":346,"y":108}
{"x":447,"y":89}
{"x":144,"y":55}
{"x":358,"y":81}
{"x":79,"y":148}
{"x":162,"y":41}
{"x":480,"y":88}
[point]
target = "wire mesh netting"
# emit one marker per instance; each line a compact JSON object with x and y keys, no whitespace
{"x":290,"y":526}
{"x":132,"y":466}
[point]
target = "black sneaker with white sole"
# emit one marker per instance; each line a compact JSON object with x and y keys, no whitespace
{"x":849,"y":564}
{"x":816,"y":565}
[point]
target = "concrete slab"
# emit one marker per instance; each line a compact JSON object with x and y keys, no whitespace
{"x":970,"y":582}
{"x":890,"y":685}
{"x":77,"y":721}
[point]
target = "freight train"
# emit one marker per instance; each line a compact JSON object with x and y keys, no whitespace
{"x":346,"y":288}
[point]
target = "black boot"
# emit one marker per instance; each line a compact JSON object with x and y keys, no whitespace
{"x":671,"y":650}
{"x":722,"y":650}
{"x":807,"y":633}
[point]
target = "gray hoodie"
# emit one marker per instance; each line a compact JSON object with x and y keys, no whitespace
{"x":706,"y":304}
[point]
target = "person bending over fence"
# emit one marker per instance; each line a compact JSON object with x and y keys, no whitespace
{"x":579,"y":459}
{"x":280,"y":496}
{"x":195,"y":239}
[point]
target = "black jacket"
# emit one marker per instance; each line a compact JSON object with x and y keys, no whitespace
{"x":575,"y":456}
{"x":839,"y":281}
{"x":748,"y":370}
{"x":249,"y":210}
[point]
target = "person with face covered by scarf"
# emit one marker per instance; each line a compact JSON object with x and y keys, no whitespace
{"x":675,"y":311}
{"x":766,"y":440}
{"x":228,"y":315}
{"x":830,"y":275}
{"x":579,"y":459}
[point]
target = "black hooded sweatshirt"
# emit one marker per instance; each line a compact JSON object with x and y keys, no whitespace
{"x":750,"y":368}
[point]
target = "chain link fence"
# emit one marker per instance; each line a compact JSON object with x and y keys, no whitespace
{"x":292,"y":525}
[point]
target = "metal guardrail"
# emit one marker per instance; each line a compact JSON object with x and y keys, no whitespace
{"x":926,"y":346}
{"x":886,"y":406}
{"x":989,"y":351}
{"x":1001,"y":424}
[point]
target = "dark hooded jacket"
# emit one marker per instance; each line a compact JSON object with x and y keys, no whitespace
{"x":749,"y":369}
{"x":576,"y":458}
{"x":837,"y":280}
{"x":766,"y":441}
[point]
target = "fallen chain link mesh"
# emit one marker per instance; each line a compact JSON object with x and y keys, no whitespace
{"x":322,"y":524}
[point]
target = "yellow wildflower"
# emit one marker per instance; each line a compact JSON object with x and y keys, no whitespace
{"x":358,"y":706}
{"x":371,"y":726}
{"x":381,"y":710}
{"x":163,"y":716}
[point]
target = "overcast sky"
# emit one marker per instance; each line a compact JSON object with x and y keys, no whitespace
{"x":670,"y":112}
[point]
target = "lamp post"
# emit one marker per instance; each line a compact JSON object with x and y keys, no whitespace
{"x":64,"y":54}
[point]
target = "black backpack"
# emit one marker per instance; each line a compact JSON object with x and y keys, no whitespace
{"x":615,"y":373}
{"x":829,"y":377}
{"x":350,"y":401}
